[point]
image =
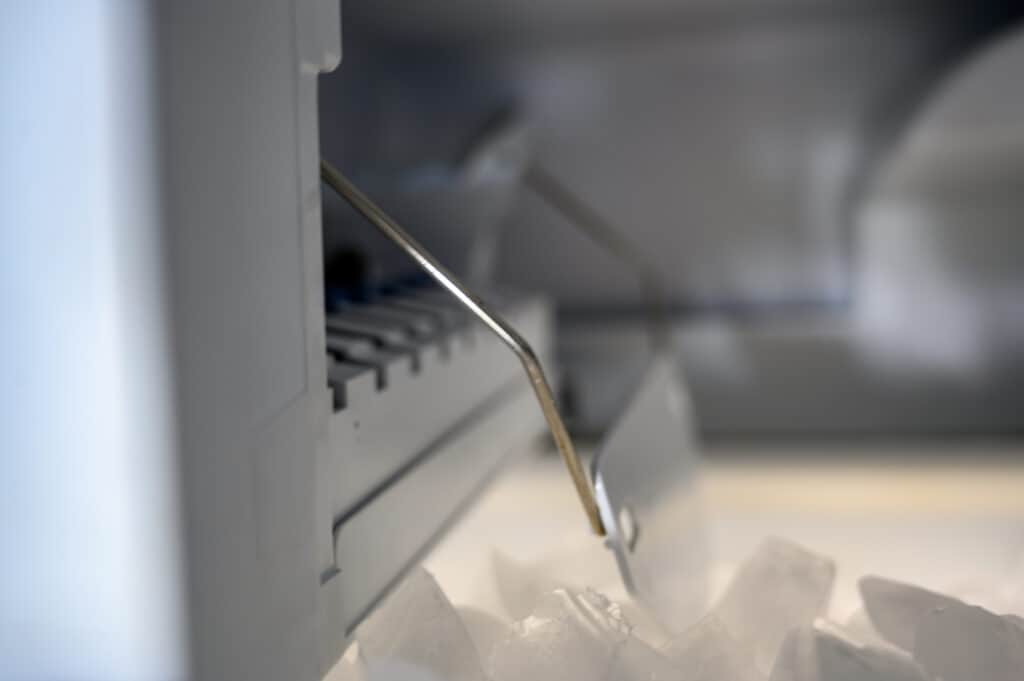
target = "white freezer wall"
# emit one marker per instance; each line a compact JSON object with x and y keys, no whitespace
{"x":162,"y":351}
{"x":90,"y":571}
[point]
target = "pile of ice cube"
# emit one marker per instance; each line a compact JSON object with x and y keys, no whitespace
{"x":768,"y":626}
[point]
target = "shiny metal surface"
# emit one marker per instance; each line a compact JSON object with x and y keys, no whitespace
{"x":645,"y":474}
{"x":508,"y":335}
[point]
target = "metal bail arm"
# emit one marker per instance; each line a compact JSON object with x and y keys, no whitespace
{"x":538,"y":381}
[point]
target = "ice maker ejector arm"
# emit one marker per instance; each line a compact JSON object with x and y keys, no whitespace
{"x":531,"y":364}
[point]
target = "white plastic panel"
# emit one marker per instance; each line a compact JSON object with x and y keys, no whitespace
{"x":90,"y":558}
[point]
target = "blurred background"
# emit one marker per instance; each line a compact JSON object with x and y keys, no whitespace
{"x":207,"y":477}
{"x":828,"y":191}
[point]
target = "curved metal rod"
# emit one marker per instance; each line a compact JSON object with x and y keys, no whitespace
{"x":393,"y":231}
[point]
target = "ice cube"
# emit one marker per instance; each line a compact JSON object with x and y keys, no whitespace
{"x":814,"y":653}
{"x":418,"y":626}
{"x":348,"y":668}
{"x":571,"y":636}
{"x":781,"y":586}
{"x":383,"y":670}
{"x":858,"y":626}
{"x":638,"y":661}
{"x":797,"y":659}
{"x":895,"y":608}
{"x":576,"y":636}
{"x":996,"y":595}
{"x":485,"y":629}
{"x":960,"y":642}
{"x":395,"y":670}
{"x":520,"y":587}
{"x":840,"y":659}
{"x":708,"y":652}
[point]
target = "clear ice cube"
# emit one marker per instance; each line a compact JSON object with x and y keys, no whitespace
{"x":960,"y":642}
{"x":576,"y":636}
{"x":348,"y":668}
{"x":859,"y":627}
{"x":796,"y":659}
{"x":485,"y":629}
{"x":780,"y":587}
{"x":638,"y":661}
{"x":813,"y":653}
{"x":708,"y":652}
{"x":896,"y":609}
{"x":417,"y":626}
{"x":520,"y":588}
{"x":395,"y":670}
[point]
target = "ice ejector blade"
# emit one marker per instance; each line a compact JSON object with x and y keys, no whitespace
{"x":645,"y":478}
